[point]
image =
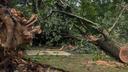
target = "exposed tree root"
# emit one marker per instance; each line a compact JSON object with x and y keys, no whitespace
{"x":14,"y":31}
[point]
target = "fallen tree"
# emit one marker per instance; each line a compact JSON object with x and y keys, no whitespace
{"x":16,"y":30}
{"x":103,"y":40}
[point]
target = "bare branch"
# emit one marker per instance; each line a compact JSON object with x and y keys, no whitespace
{"x":78,"y":17}
{"x":116,"y":22}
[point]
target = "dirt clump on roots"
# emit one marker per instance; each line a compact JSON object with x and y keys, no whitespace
{"x":15,"y":30}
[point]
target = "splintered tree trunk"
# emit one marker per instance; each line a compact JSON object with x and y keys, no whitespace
{"x":111,"y":47}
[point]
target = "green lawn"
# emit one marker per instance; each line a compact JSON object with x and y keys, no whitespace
{"x":77,"y":63}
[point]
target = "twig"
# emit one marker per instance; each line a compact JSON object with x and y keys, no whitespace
{"x":48,"y":15}
{"x":62,"y":2}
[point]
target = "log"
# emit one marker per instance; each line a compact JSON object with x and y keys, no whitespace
{"x":113,"y":48}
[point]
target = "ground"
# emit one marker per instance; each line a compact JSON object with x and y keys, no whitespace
{"x":82,"y":63}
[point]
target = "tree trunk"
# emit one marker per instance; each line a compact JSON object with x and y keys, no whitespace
{"x":111,"y":47}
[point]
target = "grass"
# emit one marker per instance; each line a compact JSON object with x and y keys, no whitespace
{"x":77,"y":63}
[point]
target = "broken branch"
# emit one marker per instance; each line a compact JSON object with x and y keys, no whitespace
{"x":72,"y":15}
{"x":116,"y":22}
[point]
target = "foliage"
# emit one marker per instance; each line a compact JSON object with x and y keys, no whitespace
{"x":59,"y":29}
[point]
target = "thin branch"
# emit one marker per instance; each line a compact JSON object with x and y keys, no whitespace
{"x":73,"y":15}
{"x":62,"y":2}
{"x":84,"y":26}
{"x":48,"y":15}
{"x":78,"y":17}
{"x":117,"y":20}
{"x":80,"y":30}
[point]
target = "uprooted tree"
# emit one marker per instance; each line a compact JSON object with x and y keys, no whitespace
{"x":102,"y":40}
{"x":15,"y":30}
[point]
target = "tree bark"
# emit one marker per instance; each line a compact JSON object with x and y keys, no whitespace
{"x":111,"y":47}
